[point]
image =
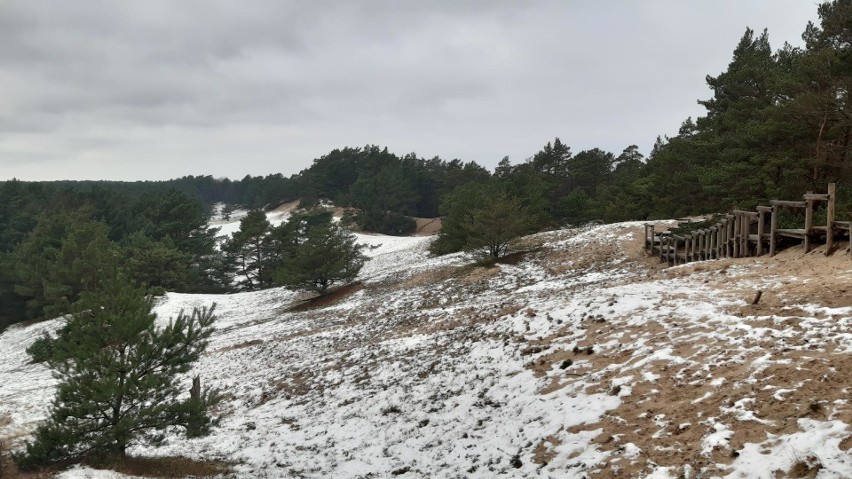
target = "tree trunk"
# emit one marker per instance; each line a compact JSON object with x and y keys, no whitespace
{"x":195,"y":390}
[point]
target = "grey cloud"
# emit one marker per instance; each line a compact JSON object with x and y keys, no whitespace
{"x":158,"y":89}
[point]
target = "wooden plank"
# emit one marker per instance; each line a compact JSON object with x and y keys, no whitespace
{"x":816,"y":196}
{"x":745,"y":213}
{"x":829,"y":233}
{"x":789,"y":204}
{"x":764,"y":209}
{"x":793,"y":233}
{"x":843,"y":225}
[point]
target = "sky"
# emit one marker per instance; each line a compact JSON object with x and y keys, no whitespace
{"x":151,"y":90}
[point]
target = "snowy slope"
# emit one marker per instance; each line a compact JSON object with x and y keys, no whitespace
{"x":581,"y":358}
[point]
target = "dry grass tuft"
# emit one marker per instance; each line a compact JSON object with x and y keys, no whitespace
{"x":169,"y":467}
{"x":329,"y":299}
{"x":160,"y":467}
{"x":516,"y":257}
{"x":808,"y":467}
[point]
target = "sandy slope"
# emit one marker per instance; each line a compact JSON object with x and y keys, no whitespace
{"x":581,"y":358}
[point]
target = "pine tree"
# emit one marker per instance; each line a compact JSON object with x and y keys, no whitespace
{"x":482,"y":217}
{"x":326,"y":255}
{"x":119,"y":377}
{"x":64,"y":255}
{"x":248,"y":251}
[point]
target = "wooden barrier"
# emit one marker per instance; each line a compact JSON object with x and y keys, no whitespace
{"x":743,"y":233}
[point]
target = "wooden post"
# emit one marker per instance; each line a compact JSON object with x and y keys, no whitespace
{"x":653,"y":239}
{"x":669,"y":246}
{"x":723,"y":238}
{"x":732,"y":236}
{"x":654,"y":243}
{"x":773,"y":230}
{"x":809,"y":223}
{"x":673,"y":252}
{"x":849,"y":228}
{"x":761,"y":226}
{"x":829,"y":223}
{"x":737,"y":227}
{"x":694,"y":244}
{"x":746,"y":249}
{"x":713,"y":239}
{"x":702,"y":251}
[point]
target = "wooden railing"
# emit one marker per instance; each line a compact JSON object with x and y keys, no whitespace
{"x":742,"y":233}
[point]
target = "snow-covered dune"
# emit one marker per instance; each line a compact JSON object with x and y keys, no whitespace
{"x":581,"y":358}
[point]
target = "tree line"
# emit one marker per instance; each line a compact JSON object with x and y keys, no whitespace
{"x":778,"y":124}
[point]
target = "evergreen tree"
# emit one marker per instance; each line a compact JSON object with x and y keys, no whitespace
{"x":326,"y":255}
{"x":183,"y":220}
{"x":482,"y":217}
{"x":158,"y":264}
{"x":248,"y":251}
{"x":626,"y":196}
{"x":819,"y":114}
{"x":61,"y":258}
{"x":119,"y":377}
{"x":384,"y":197}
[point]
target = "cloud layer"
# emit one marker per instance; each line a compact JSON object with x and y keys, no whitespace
{"x":160,"y":89}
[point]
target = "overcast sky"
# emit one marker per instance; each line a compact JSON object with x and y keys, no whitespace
{"x":148,"y":89}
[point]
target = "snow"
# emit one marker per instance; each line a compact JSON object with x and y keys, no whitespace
{"x":818,"y":440}
{"x":227,"y":227}
{"x":79,"y":472}
{"x":432,"y":366}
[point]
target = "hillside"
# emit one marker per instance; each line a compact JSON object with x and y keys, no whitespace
{"x":580,"y":358}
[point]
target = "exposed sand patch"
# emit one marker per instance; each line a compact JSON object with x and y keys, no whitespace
{"x":427,"y":226}
{"x":287,"y":207}
{"x":734,"y":380}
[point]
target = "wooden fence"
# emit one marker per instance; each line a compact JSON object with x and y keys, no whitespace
{"x":743,"y":233}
